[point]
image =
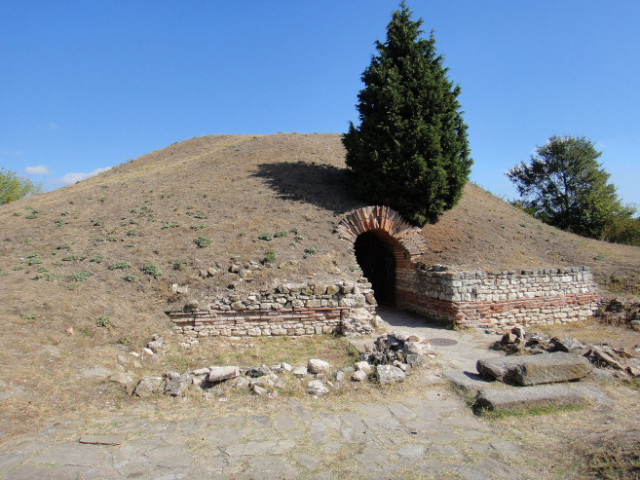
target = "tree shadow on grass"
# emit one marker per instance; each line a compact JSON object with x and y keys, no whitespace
{"x":325,"y":186}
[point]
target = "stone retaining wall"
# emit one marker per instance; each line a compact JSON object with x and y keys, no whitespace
{"x":481,"y":299}
{"x":292,"y":310}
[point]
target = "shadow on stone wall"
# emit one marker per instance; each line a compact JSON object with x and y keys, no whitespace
{"x":325,"y":186}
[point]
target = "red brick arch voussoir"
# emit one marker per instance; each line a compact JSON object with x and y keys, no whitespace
{"x":382,"y":218}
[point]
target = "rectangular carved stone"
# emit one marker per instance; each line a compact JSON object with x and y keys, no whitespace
{"x":535,"y":369}
{"x":518,"y":399}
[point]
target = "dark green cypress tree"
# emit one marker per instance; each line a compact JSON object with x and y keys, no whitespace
{"x":410,"y":151}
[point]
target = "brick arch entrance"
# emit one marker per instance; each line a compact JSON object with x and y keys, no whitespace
{"x":385,"y":246}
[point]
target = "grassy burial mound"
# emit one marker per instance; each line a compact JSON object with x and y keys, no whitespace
{"x":88,"y":269}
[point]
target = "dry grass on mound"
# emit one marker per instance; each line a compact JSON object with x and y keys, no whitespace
{"x":98,"y":258}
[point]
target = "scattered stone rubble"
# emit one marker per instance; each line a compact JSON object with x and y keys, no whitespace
{"x":389,"y":360}
{"x":543,"y":372}
{"x":619,"y":362}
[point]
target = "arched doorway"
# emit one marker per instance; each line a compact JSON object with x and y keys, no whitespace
{"x":376,"y":258}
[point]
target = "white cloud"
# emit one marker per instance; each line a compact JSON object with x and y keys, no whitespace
{"x":71,"y":178}
{"x":37,"y":170}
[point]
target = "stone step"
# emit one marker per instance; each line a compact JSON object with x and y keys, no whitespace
{"x":528,"y":370}
{"x":467,"y":382}
{"x":525,"y":398}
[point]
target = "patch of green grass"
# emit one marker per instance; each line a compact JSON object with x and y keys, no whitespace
{"x":64,"y":246}
{"x":282,"y":233}
{"x":197,"y":227}
{"x":178,"y":265}
{"x":79,"y":276}
{"x":169,"y":225}
{"x":130,"y":278}
{"x":522,"y":413}
{"x":103,"y":321}
{"x":151,"y":270}
{"x":267,"y":236}
{"x":33,"y":259}
{"x":269,"y":257}
{"x":132,"y":233}
{"x":70,"y":258}
{"x":633,"y":383}
{"x":28,"y":316}
{"x":309,"y":251}
{"x":58,"y":222}
{"x":200,"y":216}
{"x":202,"y":242}
{"x":615,"y":456}
{"x":96,"y":259}
{"x":104,"y":239}
{"x":119,"y":265}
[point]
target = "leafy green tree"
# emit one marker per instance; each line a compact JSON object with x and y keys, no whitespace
{"x":410,"y":151}
{"x":623,"y":229}
{"x":565,"y":186}
{"x":13,"y":187}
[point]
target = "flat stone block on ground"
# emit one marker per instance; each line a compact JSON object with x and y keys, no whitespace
{"x":466,"y":381}
{"x":524,"y":398}
{"x":534,"y":369}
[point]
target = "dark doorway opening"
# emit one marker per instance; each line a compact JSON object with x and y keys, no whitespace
{"x":375,"y":257}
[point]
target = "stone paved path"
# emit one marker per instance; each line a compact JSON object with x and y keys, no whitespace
{"x":432,"y":435}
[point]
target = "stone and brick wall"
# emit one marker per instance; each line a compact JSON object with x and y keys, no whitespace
{"x":482,"y":299}
{"x":292,"y":310}
{"x":472,"y":299}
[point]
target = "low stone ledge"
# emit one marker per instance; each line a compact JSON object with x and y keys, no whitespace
{"x":526,"y":398}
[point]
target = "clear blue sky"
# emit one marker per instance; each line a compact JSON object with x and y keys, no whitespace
{"x":90,"y":84}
